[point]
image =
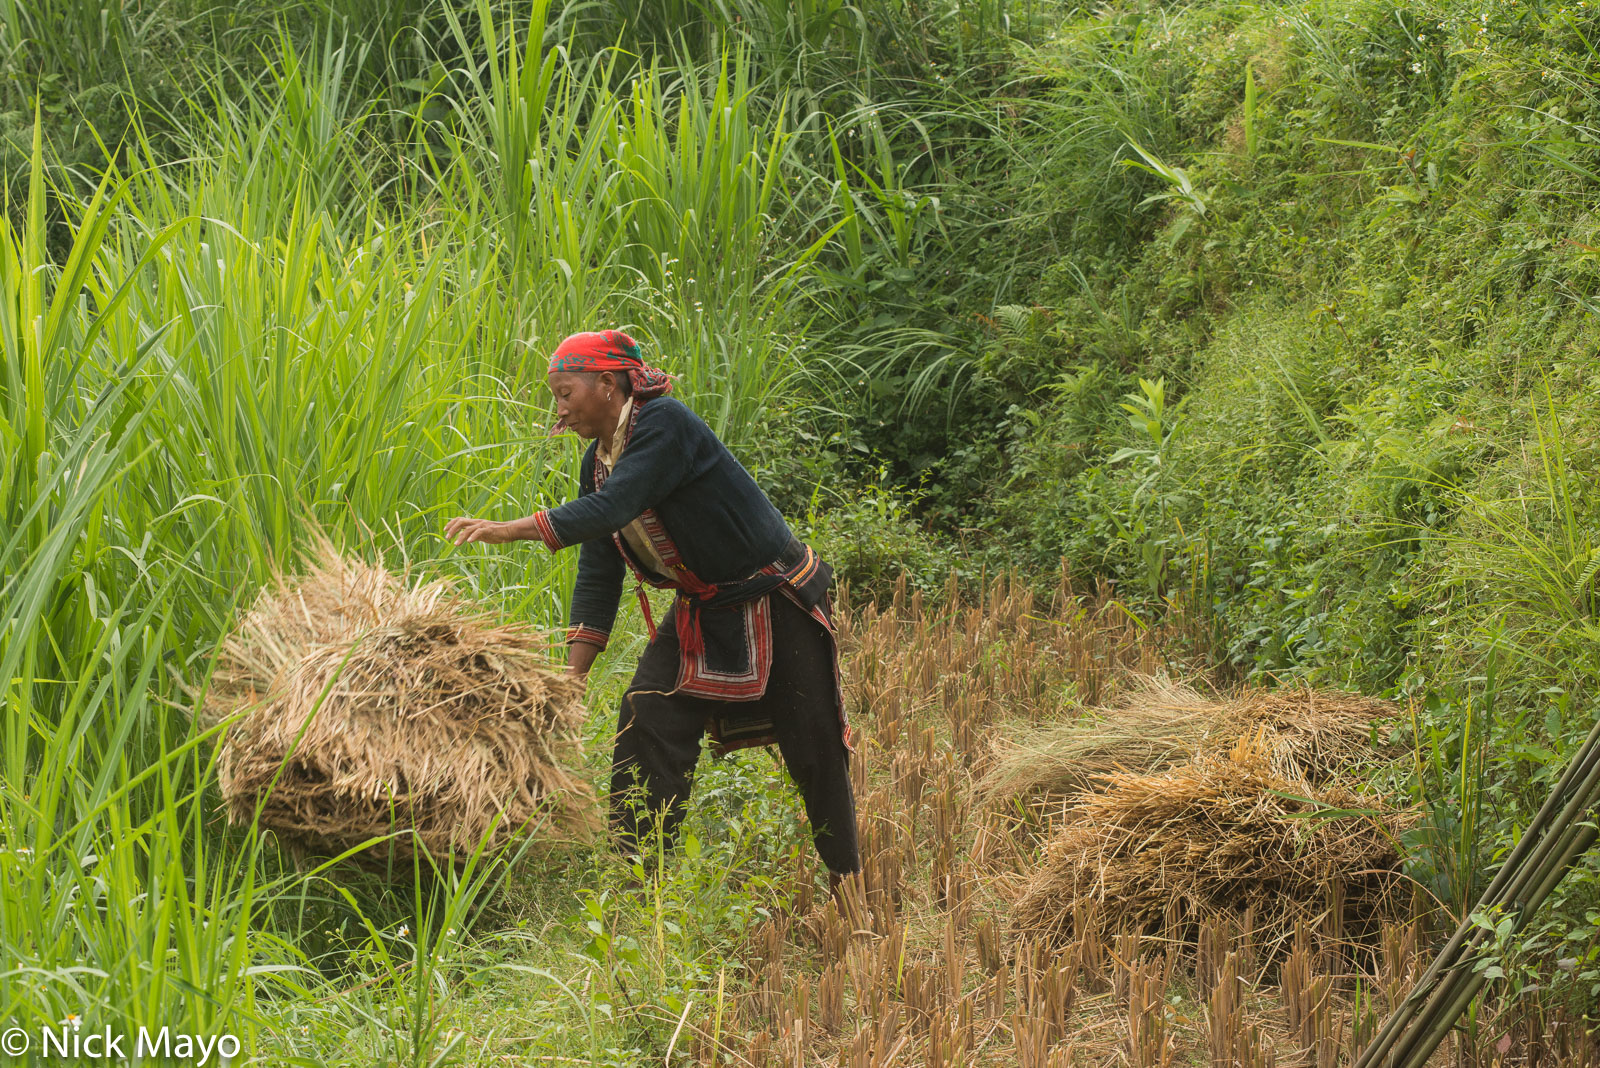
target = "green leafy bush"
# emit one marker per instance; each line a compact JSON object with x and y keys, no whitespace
{"x":871,"y":538}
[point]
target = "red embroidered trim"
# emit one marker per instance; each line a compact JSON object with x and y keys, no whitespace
{"x":695,"y":677}
{"x":686,"y":582}
{"x":846,"y":732}
{"x":547,"y":532}
{"x":667,"y":549}
{"x":803,"y":569}
{"x":580,"y":632}
{"x":633,"y":419}
{"x":652,"y":524}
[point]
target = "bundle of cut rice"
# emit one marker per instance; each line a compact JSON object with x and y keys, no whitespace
{"x":1221,"y":835}
{"x":369,"y":705}
{"x":1310,"y":735}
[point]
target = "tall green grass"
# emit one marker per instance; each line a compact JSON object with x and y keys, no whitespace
{"x":273,"y":336}
{"x":118,"y":901}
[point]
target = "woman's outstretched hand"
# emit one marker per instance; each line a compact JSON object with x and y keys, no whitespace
{"x":463,"y":531}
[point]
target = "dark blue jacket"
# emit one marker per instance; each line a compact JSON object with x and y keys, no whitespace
{"x":724,"y":526}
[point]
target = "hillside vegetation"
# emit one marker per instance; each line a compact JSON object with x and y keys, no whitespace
{"x":1339,"y":391}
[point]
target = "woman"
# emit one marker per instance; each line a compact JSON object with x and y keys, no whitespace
{"x":747,"y":649}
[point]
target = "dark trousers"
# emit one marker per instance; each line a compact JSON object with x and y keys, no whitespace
{"x":658,"y":737}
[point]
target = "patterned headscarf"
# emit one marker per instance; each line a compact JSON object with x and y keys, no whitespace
{"x":611,"y":350}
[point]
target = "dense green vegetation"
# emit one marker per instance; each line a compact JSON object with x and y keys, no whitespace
{"x":1336,"y":394}
{"x":1282,"y":315}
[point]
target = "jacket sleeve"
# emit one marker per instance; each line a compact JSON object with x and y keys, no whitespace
{"x":599,"y":585}
{"x":596,"y":593}
{"x":657,"y":458}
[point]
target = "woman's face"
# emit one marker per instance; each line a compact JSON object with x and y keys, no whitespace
{"x":582,"y":404}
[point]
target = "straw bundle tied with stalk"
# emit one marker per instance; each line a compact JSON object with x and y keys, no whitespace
{"x":369,"y":705}
{"x":1308,"y":735}
{"x":1224,"y":834}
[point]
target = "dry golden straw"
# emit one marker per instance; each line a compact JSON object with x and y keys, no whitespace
{"x":1221,"y":835}
{"x":1310,"y":735}
{"x":371,"y":705}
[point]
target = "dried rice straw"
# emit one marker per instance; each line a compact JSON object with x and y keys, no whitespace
{"x":1310,"y":735}
{"x":1223,"y":834}
{"x":370,"y":705}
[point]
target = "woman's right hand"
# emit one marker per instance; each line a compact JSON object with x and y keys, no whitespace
{"x":464,"y":530}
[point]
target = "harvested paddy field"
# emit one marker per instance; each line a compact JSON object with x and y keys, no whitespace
{"x":1163,"y":879}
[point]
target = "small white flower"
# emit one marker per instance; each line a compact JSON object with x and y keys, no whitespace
{"x":405,"y":931}
{"x":1416,"y":68}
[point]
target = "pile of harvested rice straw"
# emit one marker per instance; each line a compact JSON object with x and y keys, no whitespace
{"x":1222,"y":835}
{"x":1168,"y":809}
{"x":1309,"y":735}
{"x":368,"y":705}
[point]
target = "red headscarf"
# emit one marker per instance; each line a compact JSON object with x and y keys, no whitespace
{"x":611,"y":350}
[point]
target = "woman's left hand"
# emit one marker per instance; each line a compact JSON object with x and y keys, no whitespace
{"x":463,"y":530}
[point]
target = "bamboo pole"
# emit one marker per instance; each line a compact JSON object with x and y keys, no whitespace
{"x":1555,"y":838}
